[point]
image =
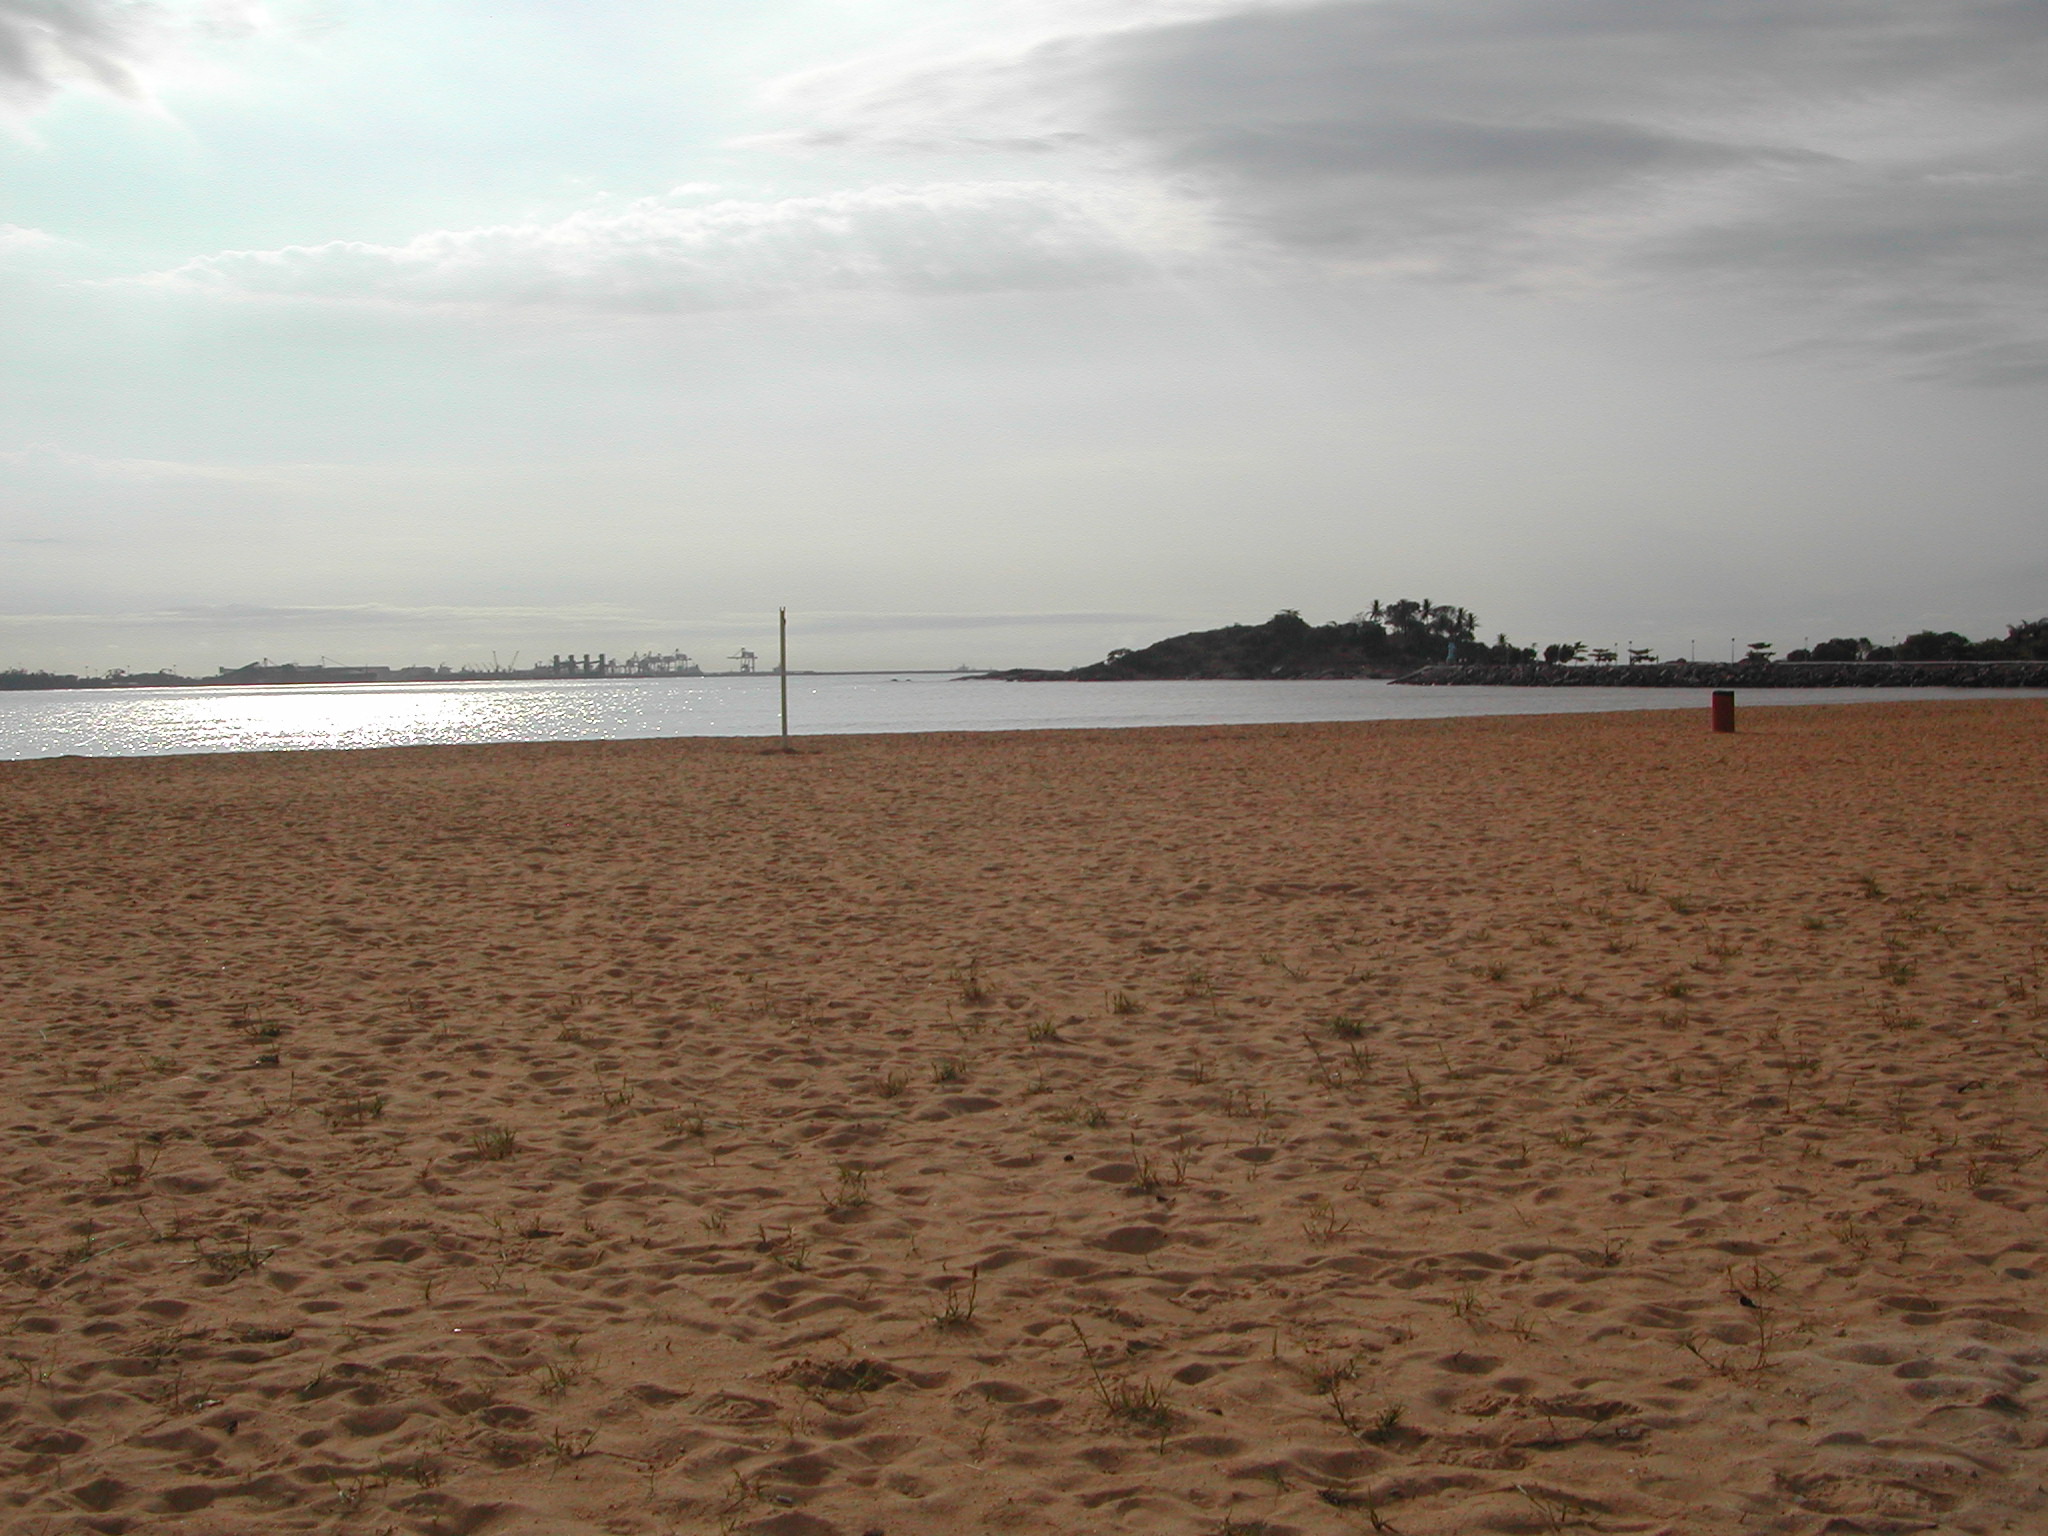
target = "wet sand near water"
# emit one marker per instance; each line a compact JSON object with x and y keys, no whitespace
{"x":1486,"y":1125}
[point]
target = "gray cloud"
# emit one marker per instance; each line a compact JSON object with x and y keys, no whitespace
{"x":1776,"y":146}
{"x":44,"y":43}
{"x":497,"y":617}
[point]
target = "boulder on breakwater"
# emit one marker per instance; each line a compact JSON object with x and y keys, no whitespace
{"x":1741,"y":674}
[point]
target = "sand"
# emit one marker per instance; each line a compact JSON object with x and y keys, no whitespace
{"x":1512,"y":1125}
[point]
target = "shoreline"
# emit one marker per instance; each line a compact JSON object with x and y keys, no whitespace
{"x":1844,"y":675}
{"x":191,"y":738}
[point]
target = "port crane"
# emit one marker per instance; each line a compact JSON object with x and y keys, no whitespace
{"x":745,"y":658}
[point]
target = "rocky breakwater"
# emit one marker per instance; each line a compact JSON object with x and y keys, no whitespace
{"x":1741,"y":674}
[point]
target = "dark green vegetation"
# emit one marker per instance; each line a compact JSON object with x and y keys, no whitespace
{"x":1384,"y":641}
{"x":2022,"y":642}
{"x":17,"y":679}
{"x":1394,"y":639}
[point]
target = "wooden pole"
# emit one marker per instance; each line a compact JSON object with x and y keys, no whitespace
{"x":782,"y":627}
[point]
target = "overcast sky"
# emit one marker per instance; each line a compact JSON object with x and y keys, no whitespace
{"x":1007,"y":333}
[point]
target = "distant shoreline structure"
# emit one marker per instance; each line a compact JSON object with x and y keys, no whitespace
{"x":338,"y":677}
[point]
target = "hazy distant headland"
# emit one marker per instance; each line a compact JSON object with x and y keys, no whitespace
{"x":1386,"y":640}
{"x":1412,"y":641}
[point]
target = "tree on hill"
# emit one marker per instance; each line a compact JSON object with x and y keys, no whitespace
{"x":1381,"y":641}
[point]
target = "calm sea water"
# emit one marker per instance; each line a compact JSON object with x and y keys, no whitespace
{"x":146,"y":722}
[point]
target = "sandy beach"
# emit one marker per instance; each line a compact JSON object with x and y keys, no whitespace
{"x":1488,"y":1125}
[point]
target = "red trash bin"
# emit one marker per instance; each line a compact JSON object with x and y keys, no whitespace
{"x":1724,"y":709}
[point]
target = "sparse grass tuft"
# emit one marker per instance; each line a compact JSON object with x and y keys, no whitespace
{"x":974,"y":991}
{"x":494,"y":1143}
{"x":1121,"y":1002}
{"x":851,"y":1192}
{"x":231,"y":1263}
{"x":949,"y":1069}
{"x":791,"y":1250}
{"x":1141,"y":1404}
{"x":346,"y":1113}
{"x":956,"y":1310}
{"x":1322,"y":1225}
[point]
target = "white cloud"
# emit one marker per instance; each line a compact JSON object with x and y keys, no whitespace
{"x":691,"y":250}
{"x":23,"y":249}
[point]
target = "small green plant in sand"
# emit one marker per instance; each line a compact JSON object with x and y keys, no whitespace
{"x":567,"y":1445}
{"x":344,"y":1114}
{"x":949,"y":1069}
{"x":235,"y":1260}
{"x":1382,"y":1427}
{"x":791,"y":1249}
{"x":1039,"y":1030}
{"x":352,"y":1490}
{"x":1412,"y":1096}
{"x":1470,"y":1308}
{"x":850,"y":1193}
{"x":494,"y":1143}
{"x":1090,"y":1116}
{"x":1121,"y":1002}
{"x":1322,"y":1225}
{"x":956,"y":1307}
{"x":1555,"y":1512}
{"x":555,"y":1378}
{"x":893,"y":1083}
{"x":974,"y":991}
{"x":1148,"y":1177}
{"x":1140,"y":1404}
{"x":1245,"y":1103}
{"x":1345,"y":1027}
{"x":126,"y":1175}
{"x":684,"y":1122}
